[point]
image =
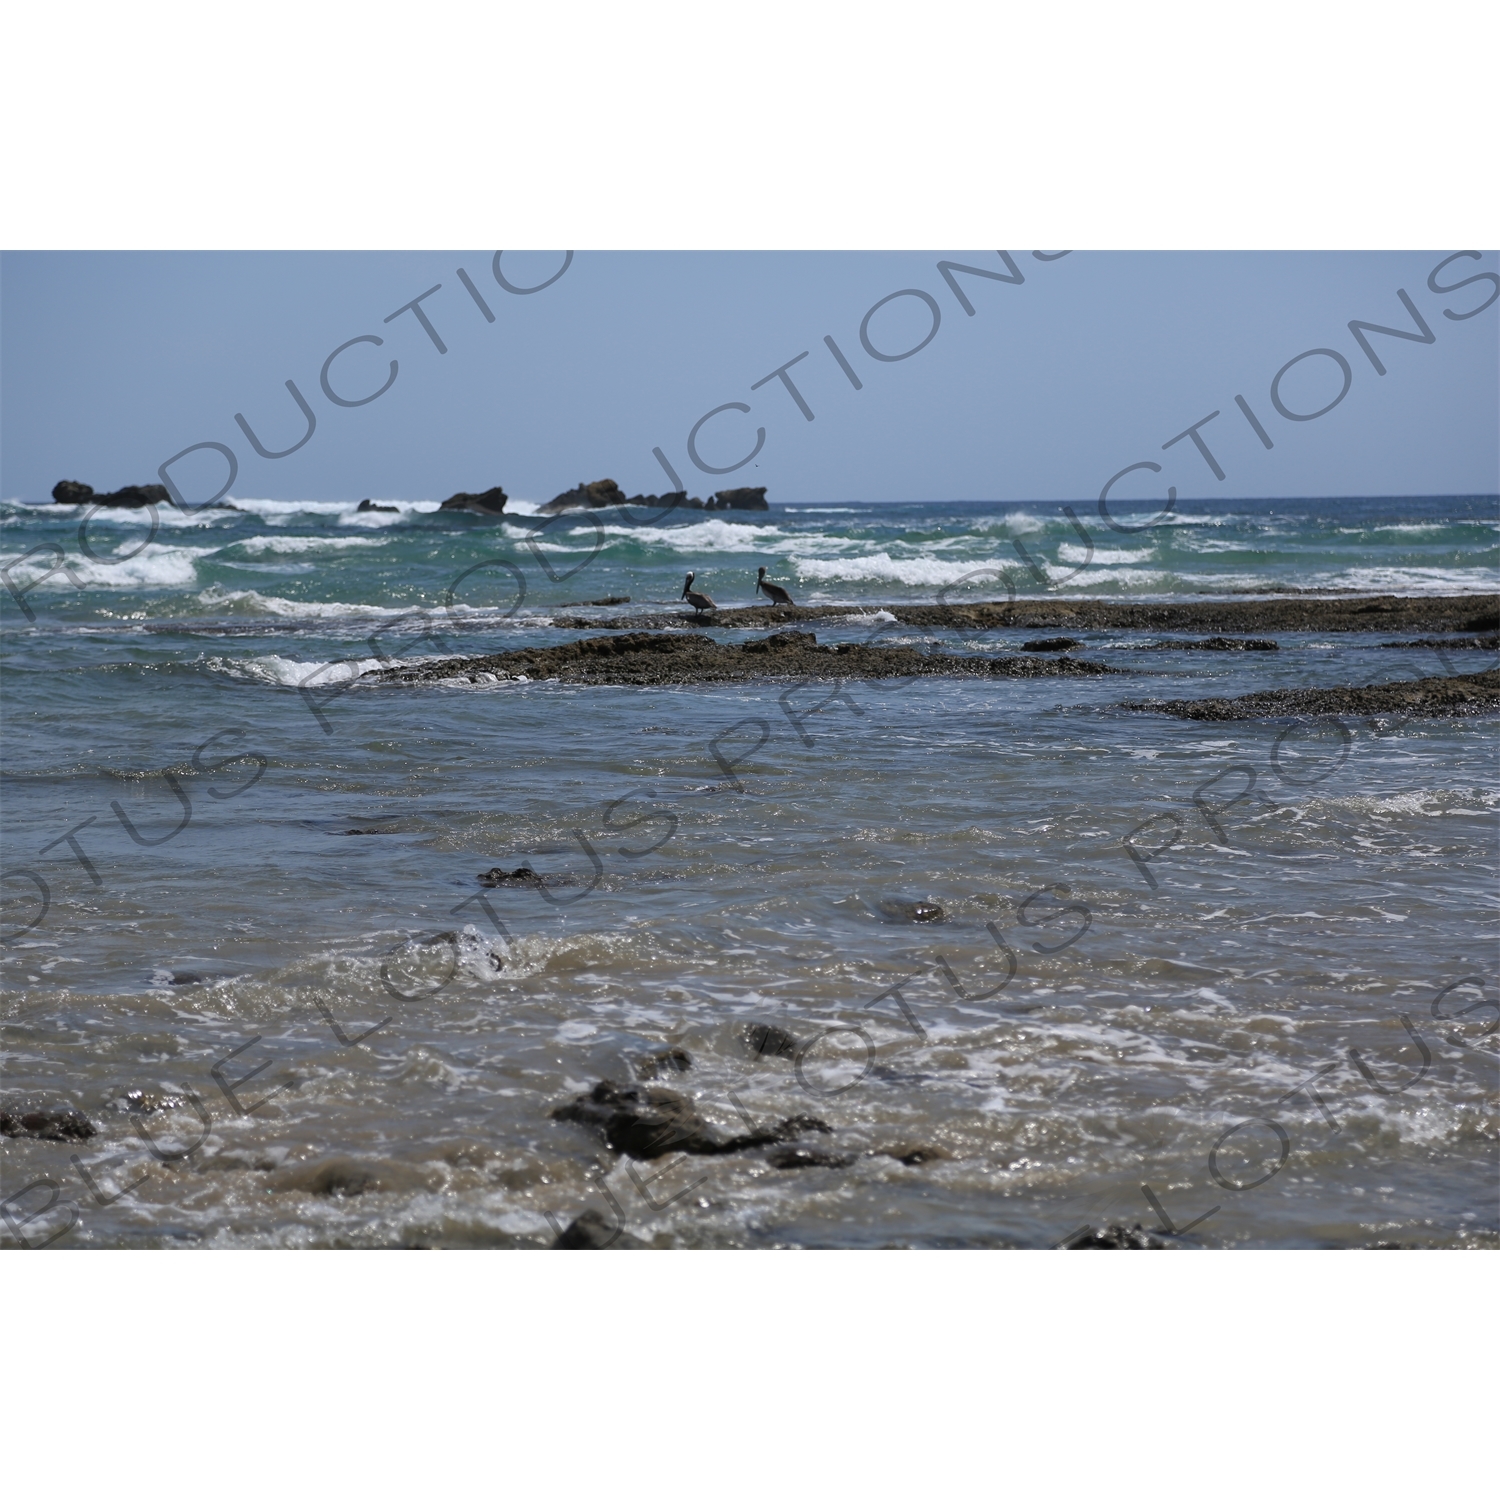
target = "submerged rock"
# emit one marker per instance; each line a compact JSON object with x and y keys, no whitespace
{"x":1430,"y":697}
{"x":672,"y":1060}
{"x":490,"y":503}
{"x":71,"y":492}
{"x":768,"y":1041}
{"x":522,"y":875}
{"x":1448,"y":643}
{"x":1051,"y":643}
{"x":894,"y":910}
{"x":50,"y":1124}
{"x":917,"y":1156}
{"x":592,"y":1231}
{"x":1115,"y":1237}
{"x":788,"y":1158}
{"x":648,"y":1123}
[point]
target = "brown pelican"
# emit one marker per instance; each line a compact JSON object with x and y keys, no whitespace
{"x":700,"y":602}
{"x":773,"y":591}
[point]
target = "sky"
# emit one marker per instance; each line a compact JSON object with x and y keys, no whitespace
{"x":112,"y":363}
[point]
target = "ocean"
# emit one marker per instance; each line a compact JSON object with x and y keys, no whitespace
{"x":1272,"y":1024}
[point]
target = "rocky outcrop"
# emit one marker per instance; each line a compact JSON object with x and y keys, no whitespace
{"x":1051,"y":643}
{"x":490,"y":503}
{"x":639,"y":658}
{"x":648,"y":1123}
{"x":743,"y":499}
{"x":70,"y":492}
{"x":605,"y":492}
{"x":1429,"y":697}
{"x":367,"y":505}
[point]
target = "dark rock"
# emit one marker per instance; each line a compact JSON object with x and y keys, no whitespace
{"x":741,"y":499}
{"x":786,"y":1158}
{"x":1448,"y":643}
{"x":522,"y":875}
{"x":597,"y":603}
{"x":768,"y":1041}
{"x":183,"y":976}
{"x":343,"y":1179}
{"x":649,"y":658}
{"x":1488,"y":619}
{"x":1226,"y":643}
{"x":672,"y":1060}
{"x":395,"y":509}
{"x":918,"y":1156}
{"x":648,"y":1123}
{"x":1430,"y":697}
{"x":591,"y":1231}
{"x":1114,"y":1237}
{"x":1051,"y":643}
{"x":912,"y":911}
{"x":490,"y":503}
{"x":582,"y":496}
{"x":783,"y":640}
{"x":56,"y":1124}
{"x":70,"y":492}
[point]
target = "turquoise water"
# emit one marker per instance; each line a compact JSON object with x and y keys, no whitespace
{"x":268,"y":852}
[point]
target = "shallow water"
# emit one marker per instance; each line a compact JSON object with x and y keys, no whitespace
{"x":1158,"y":1021}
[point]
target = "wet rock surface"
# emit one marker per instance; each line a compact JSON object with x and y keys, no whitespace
{"x":51,"y":1123}
{"x":71,"y":492}
{"x":789,"y":1158}
{"x":1050,"y":643}
{"x":1220,"y":643}
{"x":662,"y":1064}
{"x":645,"y":658}
{"x":368,"y":505}
{"x":895,"y":910}
{"x":1447,"y":643}
{"x":1388,"y":614}
{"x":592,"y":1231}
{"x":1428,"y":697}
{"x":1116,"y":1237}
{"x":768,"y":1041}
{"x":647,"y":1123}
{"x":522,"y":877}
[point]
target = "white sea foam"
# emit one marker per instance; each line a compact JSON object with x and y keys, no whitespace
{"x":1102,"y":557}
{"x":881,"y":567}
{"x":1410,"y":580}
{"x":248,"y":601}
{"x":317,"y":676}
{"x":709,"y":536}
{"x":157,"y":567}
{"x":282,"y":544}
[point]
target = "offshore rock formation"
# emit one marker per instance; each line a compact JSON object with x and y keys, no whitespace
{"x":490,"y":503}
{"x":744,"y":499}
{"x":605,"y":492}
{"x":71,"y":492}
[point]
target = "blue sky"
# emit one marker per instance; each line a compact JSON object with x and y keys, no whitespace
{"x":113,"y":362}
